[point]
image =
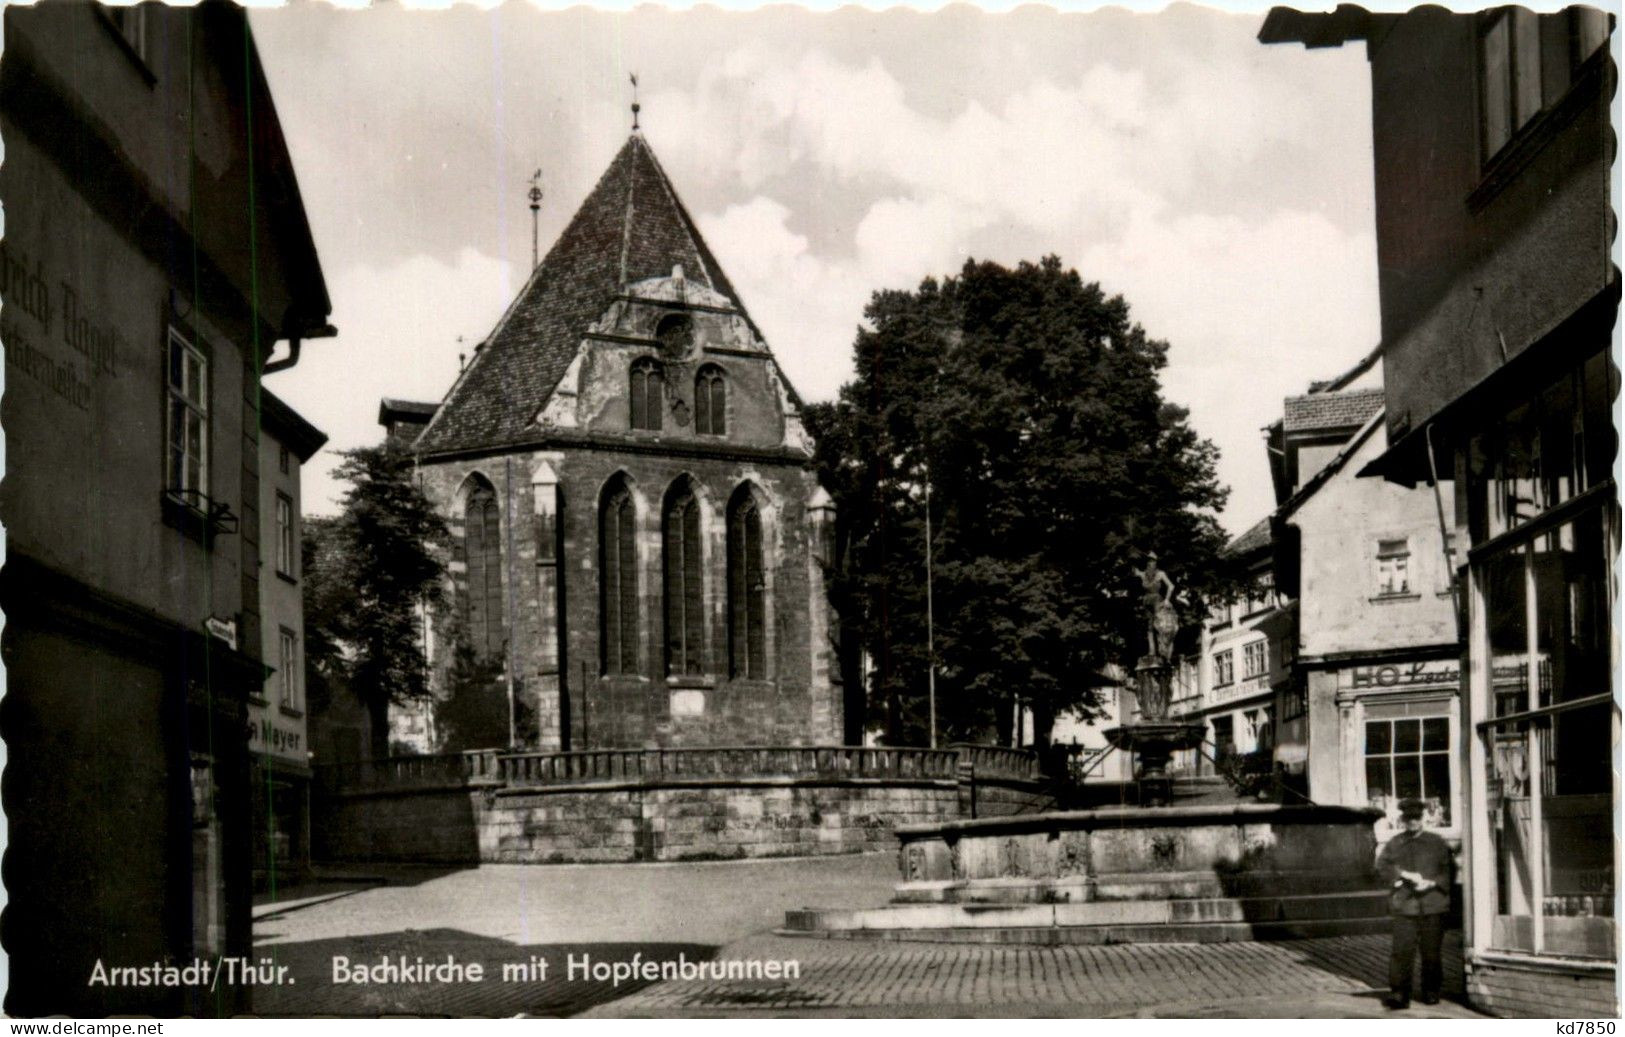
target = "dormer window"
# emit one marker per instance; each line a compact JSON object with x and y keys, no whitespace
{"x":710,"y":402}
{"x":648,"y":384}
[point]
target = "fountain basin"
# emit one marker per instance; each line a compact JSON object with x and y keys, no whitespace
{"x":1206,"y":872}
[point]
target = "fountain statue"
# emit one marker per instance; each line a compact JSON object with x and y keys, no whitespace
{"x":1153,"y":739}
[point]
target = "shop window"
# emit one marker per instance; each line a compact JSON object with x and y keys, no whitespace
{"x":1409,"y":758}
{"x":188,"y":421}
{"x":1545,"y":451}
{"x":1224,"y":736}
{"x":684,"y":585}
{"x":1548,"y":741}
{"x":1394,"y":568}
{"x":1224,"y":668}
{"x":1255,"y":659}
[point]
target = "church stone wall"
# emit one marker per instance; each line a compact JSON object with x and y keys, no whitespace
{"x":580,"y":707}
{"x":761,"y":818}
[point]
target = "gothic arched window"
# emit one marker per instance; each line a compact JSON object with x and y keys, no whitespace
{"x":648,"y":388}
{"x":747,"y":589}
{"x":684,"y":585}
{"x":710,"y":401}
{"x":482,"y":557}
{"x":618,"y":583}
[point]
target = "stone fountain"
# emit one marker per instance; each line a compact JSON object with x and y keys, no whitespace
{"x":1143,"y":873}
{"x":1153,"y":739}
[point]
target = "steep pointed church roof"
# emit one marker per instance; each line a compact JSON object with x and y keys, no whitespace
{"x":632,"y":227}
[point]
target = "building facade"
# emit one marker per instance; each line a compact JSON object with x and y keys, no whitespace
{"x":156,"y":250}
{"x":1371,"y":707}
{"x":1499,"y":299}
{"x":1233,"y":685}
{"x":638,"y":535}
{"x":278,"y":735}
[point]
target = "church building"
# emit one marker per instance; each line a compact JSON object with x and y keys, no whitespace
{"x":638,"y":534}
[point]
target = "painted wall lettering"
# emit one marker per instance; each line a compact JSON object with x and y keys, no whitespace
{"x":1406,"y":675}
{"x":26,"y":293}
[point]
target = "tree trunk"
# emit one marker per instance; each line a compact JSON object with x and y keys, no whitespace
{"x":1043,"y":726}
{"x":855,"y":696}
{"x":1004,"y":720}
{"x":378,"y":713}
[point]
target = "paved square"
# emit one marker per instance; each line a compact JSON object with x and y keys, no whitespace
{"x":521,"y":916}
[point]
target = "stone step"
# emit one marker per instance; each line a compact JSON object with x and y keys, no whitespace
{"x":1142,"y":918}
{"x":1125,"y":886}
{"x":1182,"y":932}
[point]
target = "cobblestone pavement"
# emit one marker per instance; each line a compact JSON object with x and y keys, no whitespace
{"x":1332,"y":977}
{"x":520,"y":916}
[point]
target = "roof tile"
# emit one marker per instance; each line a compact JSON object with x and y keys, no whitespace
{"x":630,"y":228}
{"x":1325,"y":411}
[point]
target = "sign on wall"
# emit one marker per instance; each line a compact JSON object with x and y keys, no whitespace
{"x":1431,"y":673}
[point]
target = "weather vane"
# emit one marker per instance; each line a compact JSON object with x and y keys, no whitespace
{"x":535,"y":195}
{"x":635,"y":106}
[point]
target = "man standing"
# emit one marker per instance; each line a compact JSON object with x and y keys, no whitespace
{"x":1416,"y":864}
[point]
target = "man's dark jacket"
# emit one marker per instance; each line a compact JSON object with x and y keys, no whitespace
{"x":1427,"y":855}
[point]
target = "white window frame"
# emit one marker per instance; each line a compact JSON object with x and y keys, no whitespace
{"x":191,"y":405}
{"x":284,"y":534}
{"x":289,"y":657}
{"x":1255,"y":658}
{"x":1393,"y":558}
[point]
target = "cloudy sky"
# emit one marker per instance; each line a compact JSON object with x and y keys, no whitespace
{"x":1223,"y":187}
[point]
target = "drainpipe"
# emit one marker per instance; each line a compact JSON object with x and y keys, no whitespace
{"x":295,"y":340}
{"x":1444,"y":534}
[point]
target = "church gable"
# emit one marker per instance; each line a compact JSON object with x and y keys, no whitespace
{"x":630,"y":248}
{"x":670,"y":361}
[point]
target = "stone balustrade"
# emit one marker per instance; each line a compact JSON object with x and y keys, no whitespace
{"x":997,"y":761}
{"x":403,"y":772}
{"x":727,"y":763}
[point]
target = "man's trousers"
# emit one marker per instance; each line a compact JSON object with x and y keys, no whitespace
{"x":1413,"y":932}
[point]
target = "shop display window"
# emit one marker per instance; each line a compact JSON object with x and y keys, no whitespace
{"x":1548,"y":742}
{"x":1409,"y":758}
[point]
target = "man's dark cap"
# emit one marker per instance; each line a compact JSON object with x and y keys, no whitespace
{"x":1412,"y":808}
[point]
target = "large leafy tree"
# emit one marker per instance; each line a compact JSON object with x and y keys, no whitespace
{"x":1026,"y":407}
{"x":371,"y":574}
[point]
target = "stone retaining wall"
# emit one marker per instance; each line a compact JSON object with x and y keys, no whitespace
{"x":658,"y":804}
{"x":604,"y":823}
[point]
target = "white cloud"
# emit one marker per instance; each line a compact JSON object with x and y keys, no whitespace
{"x":1252,"y":312}
{"x":1098,"y":169}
